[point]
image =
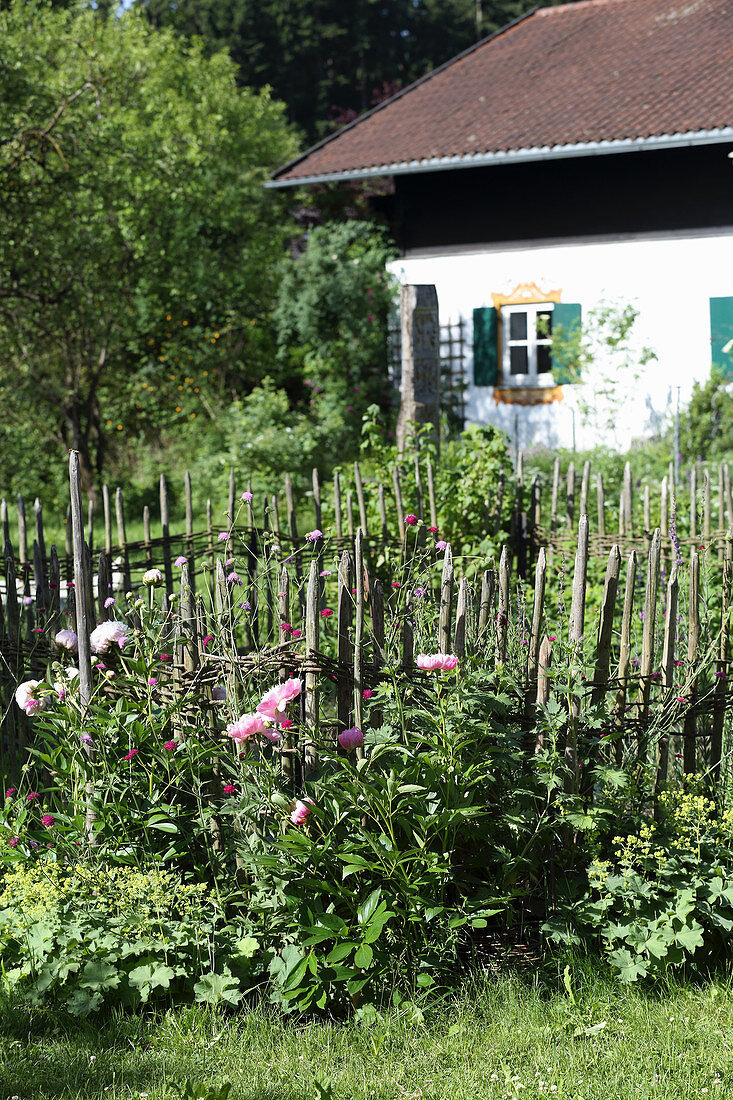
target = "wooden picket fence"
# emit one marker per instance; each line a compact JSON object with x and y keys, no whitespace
{"x":281,"y":588}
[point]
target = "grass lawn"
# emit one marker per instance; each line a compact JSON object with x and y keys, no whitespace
{"x":499,"y":1038}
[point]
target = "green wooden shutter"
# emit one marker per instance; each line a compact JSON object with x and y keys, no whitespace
{"x":565,"y":326}
{"x":485,"y":346}
{"x":721,"y":335}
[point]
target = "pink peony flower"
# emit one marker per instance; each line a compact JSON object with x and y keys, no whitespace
{"x":170,"y":746}
{"x":274,"y":701}
{"x":180,"y":560}
{"x":301,"y":810}
{"x":351,"y":739}
{"x":152,"y":578}
{"x":271,"y":735}
{"x":108,"y":634}
{"x":245,"y":727}
{"x":436,"y":662}
{"x":67,"y":639}
{"x":28,"y":699}
{"x":48,"y":820}
{"x":410,"y":520}
{"x":367,"y":693}
{"x":229,"y":788}
{"x":314,"y":536}
{"x":441,"y":545}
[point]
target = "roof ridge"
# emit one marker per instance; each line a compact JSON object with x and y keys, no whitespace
{"x":403,"y":91}
{"x":581,"y":4}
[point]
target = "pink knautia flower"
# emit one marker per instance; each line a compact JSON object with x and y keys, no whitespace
{"x":229,"y":561}
{"x":170,"y":746}
{"x":296,"y":633}
{"x":152,"y":681}
{"x":367,"y":693}
{"x":109,"y":602}
{"x":325,"y":573}
{"x":129,"y":755}
{"x":441,"y":544}
{"x":33,"y":796}
{"x":433,"y":530}
{"x":229,"y":788}
{"x":285,"y":723}
{"x":436,"y":662}
{"x":552,"y":638}
{"x":326,"y":613}
{"x":62,"y":693}
{"x":181,"y":560}
{"x":28,"y":699}
{"x":233,"y":578}
{"x":218,"y":693}
{"x":314,"y":536}
{"x":395,"y":584}
{"x":351,"y":739}
{"x":13,"y":842}
{"x":410,"y":520}
{"x":247,"y":605}
{"x":152,"y":578}
{"x":246,"y":497}
{"x":37,"y":630}
{"x":286,"y":627}
{"x":67,"y":639}
{"x":274,"y":701}
{"x":419,"y":592}
{"x":11,"y":791}
{"x":222,"y":536}
{"x":166,"y":656}
{"x":86,"y":739}
{"x":301,"y":810}
{"x":109,"y":634}
{"x":48,"y":820}
{"x":207,"y":638}
{"x":246,"y":727}
{"x":27,"y":601}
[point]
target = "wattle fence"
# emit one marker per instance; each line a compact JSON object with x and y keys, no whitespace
{"x":657,"y":653}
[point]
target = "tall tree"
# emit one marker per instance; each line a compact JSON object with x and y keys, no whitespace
{"x":137,"y":241}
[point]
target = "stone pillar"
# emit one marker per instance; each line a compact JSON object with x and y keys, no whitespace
{"x":420,"y":388}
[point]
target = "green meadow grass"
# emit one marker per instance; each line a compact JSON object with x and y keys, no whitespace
{"x":500,"y":1037}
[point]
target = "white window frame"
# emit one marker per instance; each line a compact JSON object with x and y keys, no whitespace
{"x":530,"y":380}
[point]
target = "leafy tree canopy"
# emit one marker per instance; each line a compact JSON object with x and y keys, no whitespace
{"x":330,"y":61}
{"x":138,"y":246}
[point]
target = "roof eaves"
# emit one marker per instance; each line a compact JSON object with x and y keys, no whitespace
{"x":504,"y":156}
{"x":398,"y":95}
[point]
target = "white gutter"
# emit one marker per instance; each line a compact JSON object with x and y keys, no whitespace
{"x":517,"y":156}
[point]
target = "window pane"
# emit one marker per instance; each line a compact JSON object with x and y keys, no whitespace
{"x":518,"y":360}
{"x":517,"y":326}
{"x":544,"y":358}
{"x":544,"y":325}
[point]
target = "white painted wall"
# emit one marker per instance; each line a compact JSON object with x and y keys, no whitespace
{"x":670,"y":282}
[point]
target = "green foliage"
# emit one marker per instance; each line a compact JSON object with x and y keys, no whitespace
{"x":138,"y":247}
{"x":82,"y":934}
{"x":706,"y":425}
{"x":666,"y":894}
{"x":331,"y":318}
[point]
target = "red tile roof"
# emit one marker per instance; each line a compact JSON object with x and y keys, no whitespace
{"x":556,"y":81}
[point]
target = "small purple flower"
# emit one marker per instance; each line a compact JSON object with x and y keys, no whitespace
{"x":152,"y":682}
{"x":222,"y":536}
{"x":109,"y":602}
{"x":247,"y":605}
{"x":180,"y":560}
{"x":246,"y":497}
{"x":314,"y":536}
{"x":86,"y":739}
{"x":233,"y":578}
{"x":13,"y":842}
{"x":48,"y":821}
{"x":28,"y":601}
{"x":419,"y":592}
{"x":351,"y":739}
{"x":326,"y":573}
{"x":441,"y":545}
